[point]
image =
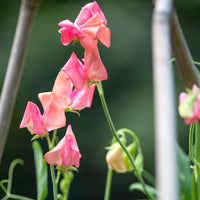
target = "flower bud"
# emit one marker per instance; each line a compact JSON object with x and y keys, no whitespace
{"x":115,"y":159}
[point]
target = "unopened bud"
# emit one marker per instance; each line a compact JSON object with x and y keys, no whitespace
{"x":115,"y":159}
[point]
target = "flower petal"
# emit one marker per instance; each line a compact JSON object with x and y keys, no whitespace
{"x":103,"y":35}
{"x":82,"y":98}
{"x":54,"y":116}
{"x":68,"y":31}
{"x":96,"y":71}
{"x":32,"y":119}
{"x":75,"y":71}
{"x":54,"y":157}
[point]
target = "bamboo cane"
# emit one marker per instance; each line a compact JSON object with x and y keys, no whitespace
{"x":164,"y":103}
{"x":15,"y":66}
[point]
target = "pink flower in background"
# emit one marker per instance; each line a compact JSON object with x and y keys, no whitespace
{"x":88,"y":26}
{"x":66,"y":153}
{"x":189,"y":105}
{"x":53,"y":118}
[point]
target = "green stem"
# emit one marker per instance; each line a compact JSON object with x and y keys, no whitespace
{"x":15,"y":196}
{"x":108,"y":184}
{"x":191,"y":153}
{"x":53,"y":182}
{"x":54,"y":138}
{"x":55,"y":192}
{"x":109,"y":119}
{"x":49,"y":142}
{"x":58,"y":177}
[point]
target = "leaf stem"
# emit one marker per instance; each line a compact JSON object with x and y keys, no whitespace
{"x":109,"y":119}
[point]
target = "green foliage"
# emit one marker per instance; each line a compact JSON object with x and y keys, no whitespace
{"x":41,"y":171}
{"x":184,"y":175}
{"x":138,"y":186}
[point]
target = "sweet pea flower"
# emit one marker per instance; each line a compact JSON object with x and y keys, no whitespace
{"x":76,"y":71}
{"x":189,"y":105}
{"x":66,"y":153}
{"x":80,"y":74}
{"x":53,"y":118}
{"x":88,"y":26}
{"x":66,"y":97}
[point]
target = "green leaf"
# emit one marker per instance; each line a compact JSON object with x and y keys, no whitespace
{"x":41,"y":171}
{"x":138,"y":186}
{"x":184,"y":175}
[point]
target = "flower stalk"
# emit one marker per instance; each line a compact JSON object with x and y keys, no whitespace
{"x":108,"y":184}
{"x":113,"y":130}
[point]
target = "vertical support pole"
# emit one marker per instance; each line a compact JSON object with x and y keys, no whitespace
{"x":15,"y":66}
{"x":164,"y":103}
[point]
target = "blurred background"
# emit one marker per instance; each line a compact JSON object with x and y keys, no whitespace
{"x":128,"y":90}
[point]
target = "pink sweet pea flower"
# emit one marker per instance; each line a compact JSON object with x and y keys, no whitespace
{"x":32,"y":119}
{"x":66,"y":153}
{"x":76,"y":71}
{"x":89,"y":25}
{"x":53,"y":118}
{"x":65,"y":97}
{"x":94,"y":70}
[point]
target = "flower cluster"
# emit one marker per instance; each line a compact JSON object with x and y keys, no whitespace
{"x":189,"y":105}
{"x":74,"y":85}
